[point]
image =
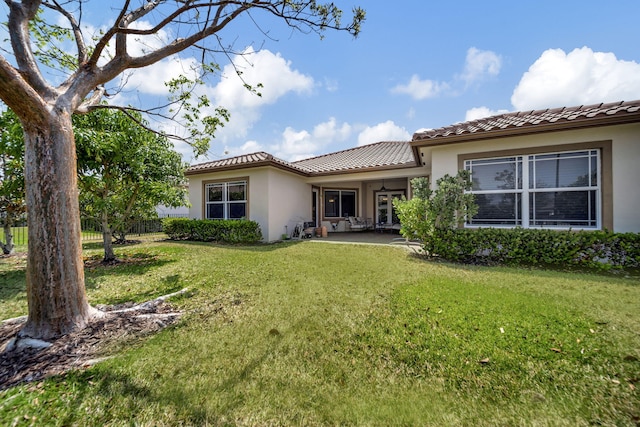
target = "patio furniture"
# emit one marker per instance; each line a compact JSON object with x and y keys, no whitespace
{"x":358,"y":224}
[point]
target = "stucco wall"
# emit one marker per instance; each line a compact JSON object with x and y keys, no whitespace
{"x":625,"y":162}
{"x":289,"y":202}
{"x":275,"y":198}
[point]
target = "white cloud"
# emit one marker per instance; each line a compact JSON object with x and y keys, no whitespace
{"x":265,"y":67}
{"x":421,"y":89}
{"x":248,"y":147}
{"x":138,"y":45}
{"x":329,"y":131}
{"x":271,"y":70}
{"x":387,"y":131}
{"x":151,"y":79}
{"x":482,"y":112}
{"x":331,"y":85}
{"x":480,"y":64}
{"x":580,"y":77}
{"x":296,"y":145}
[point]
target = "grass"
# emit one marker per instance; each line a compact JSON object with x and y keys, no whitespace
{"x":21,"y":234}
{"x":318,"y":334}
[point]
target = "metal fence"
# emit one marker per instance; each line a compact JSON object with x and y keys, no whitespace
{"x":92,"y":230}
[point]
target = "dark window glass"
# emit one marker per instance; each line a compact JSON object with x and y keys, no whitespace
{"x":215,"y":193}
{"x":499,"y":174}
{"x":561,"y":172}
{"x":237,"y":210}
{"x":236,"y":191}
{"x":563,"y":208}
{"x":331,"y":203}
{"x":226,"y":200}
{"x":498,"y":209}
{"x":215,"y":211}
{"x":348,"y":202}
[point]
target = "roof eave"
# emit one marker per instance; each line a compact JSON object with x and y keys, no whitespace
{"x":367,"y":169}
{"x":252,"y":165}
{"x":528,"y":130}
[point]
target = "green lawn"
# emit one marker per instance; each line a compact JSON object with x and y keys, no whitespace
{"x":310,"y":333}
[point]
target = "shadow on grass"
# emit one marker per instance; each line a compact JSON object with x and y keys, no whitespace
{"x":100,"y":382}
{"x":533,"y":270}
{"x":130,"y":264}
{"x":255,"y":247}
{"x":182,"y":405}
{"x":13,"y":283}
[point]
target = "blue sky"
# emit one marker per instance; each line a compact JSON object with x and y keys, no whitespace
{"x":423,"y":64}
{"x":416,"y":64}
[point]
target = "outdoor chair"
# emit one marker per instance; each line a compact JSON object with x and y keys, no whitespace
{"x":358,"y":224}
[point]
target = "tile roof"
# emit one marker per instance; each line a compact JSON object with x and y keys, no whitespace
{"x":533,"y":121}
{"x":400,"y":154}
{"x":238,"y":162}
{"x":381,"y":155}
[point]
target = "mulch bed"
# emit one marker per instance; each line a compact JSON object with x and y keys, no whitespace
{"x":83,"y":348}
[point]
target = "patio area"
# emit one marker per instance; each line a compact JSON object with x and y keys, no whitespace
{"x":361,"y":237}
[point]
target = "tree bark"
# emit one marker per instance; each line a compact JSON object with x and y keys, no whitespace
{"x":107,"y":240}
{"x":7,"y":247}
{"x":55,"y":272}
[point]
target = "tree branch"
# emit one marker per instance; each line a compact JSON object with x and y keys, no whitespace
{"x":95,"y":99}
{"x":19,"y":95}
{"x":75,"y":27}
{"x":19,"y":16}
{"x":104,"y":40}
{"x":126,"y":110}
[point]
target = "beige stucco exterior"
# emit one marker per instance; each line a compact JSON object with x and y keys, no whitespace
{"x":279,"y":199}
{"x":275,"y":198}
{"x":625,"y":157}
{"x":282,"y":194}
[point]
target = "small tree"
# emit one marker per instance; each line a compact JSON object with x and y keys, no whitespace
{"x":431,"y":213}
{"x":12,"y":204}
{"x":124,"y":172}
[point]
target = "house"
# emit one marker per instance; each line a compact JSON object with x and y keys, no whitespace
{"x":559,"y":168}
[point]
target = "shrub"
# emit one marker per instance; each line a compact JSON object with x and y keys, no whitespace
{"x":429,"y":211}
{"x":601,"y":250}
{"x":213,"y":230}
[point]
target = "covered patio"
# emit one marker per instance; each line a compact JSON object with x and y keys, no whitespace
{"x":360,"y":237}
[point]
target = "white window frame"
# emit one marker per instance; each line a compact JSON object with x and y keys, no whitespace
{"x":225,"y":202}
{"x":526,"y":190}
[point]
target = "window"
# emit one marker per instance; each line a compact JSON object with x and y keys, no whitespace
{"x":339,"y":203}
{"x":538,"y":190}
{"x":226,"y":200}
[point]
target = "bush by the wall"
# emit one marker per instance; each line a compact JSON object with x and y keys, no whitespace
{"x":601,"y":250}
{"x":212,"y":230}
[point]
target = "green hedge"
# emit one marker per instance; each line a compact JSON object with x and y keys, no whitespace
{"x":601,"y":250}
{"x":213,"y":230}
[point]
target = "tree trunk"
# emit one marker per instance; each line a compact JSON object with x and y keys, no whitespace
{"x":55,"y":272}
{"x":7,"y":248}
{"x":107,"y":240}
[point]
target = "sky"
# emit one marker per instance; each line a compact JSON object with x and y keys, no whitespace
{"x":416,"y":64}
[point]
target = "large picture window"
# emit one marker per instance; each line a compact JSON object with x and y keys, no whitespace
{"x":226,"y":200}
{"x":538,"y":190}
{"x":340,"y":203}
